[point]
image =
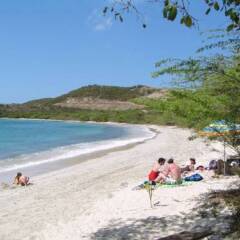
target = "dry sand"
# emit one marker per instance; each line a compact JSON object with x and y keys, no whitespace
{"x":95,"y":200}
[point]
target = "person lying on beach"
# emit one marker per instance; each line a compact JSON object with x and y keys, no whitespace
{"x":21,"y":180}
{"x":154,"y":174}
{"x":172,"y":172}
{"x":189,"y":167}
{"x":201,"y":168}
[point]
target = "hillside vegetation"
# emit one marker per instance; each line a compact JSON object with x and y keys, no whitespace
{"x":114,"y":93}
{"x":108,"y":92}
{"x":92,"y":103}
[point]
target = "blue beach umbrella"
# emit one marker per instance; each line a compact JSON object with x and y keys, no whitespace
{"x":222,"y":129}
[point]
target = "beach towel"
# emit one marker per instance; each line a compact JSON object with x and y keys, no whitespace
{"x":155,"y":185}
{"x":194,"y":178}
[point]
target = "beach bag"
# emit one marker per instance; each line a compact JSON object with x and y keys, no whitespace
{"x":194,"y":178}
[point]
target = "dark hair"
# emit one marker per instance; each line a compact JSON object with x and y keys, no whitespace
{"x":170,"y":160}
{"x":17,"y":177}
{"x":193,"y":160}
{"x":200,"y":167}
{"x":161,"y":160}
{"x":19,"y":174}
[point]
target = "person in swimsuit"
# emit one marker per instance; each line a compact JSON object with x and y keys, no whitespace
{"x":192,"y":164}
{"x":21,"y":180}
{"x":172,"y":172}
{"x":154,"y":174}
{"x":189,"y":167}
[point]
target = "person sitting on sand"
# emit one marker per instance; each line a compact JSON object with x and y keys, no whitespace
{"x":21,"y":180}
{"x":172,"y":172}
{"x":189,"y":167}
{"x":154,"y":174}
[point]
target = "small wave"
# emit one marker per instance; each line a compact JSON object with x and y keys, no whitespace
{"x":71,"y":151}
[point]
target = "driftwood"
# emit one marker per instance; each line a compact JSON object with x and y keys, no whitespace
{"x":188,"y":235}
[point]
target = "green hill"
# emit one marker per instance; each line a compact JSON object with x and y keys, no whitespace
{"x":113,"y":93}
{"x":138,"y":104}
{"x":90,"y":103}
{"x":108,"y":92}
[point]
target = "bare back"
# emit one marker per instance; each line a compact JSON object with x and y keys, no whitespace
{"x":173,"y":170}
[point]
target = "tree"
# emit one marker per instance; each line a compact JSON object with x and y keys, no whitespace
{"x":218,"y":76}
{"x":172,"y":9}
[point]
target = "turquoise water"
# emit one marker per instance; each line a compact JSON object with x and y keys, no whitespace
{"x":25,"y":143}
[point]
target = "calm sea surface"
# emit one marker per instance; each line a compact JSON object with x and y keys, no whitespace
{"x":25,"y":143}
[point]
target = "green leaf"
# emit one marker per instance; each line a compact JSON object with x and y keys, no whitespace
{"x":172,"y":13}
{"x":165,"y":12}
{"x":182,"y":20}
{"x":166,"y":2}
{"x":208,"y":11}
{"x":105,"y":10}
{"x":216,"y":6}
{"x":228,"y":12}
{"x":230,"y":27}
{"x":234,"y":17}
{"x":120,"y":18}
{"x":188,"y":21}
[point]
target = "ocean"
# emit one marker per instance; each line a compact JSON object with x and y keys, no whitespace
{"x":26,"y":144}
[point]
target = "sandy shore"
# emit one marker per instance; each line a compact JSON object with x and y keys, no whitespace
{"x":95,"y":200}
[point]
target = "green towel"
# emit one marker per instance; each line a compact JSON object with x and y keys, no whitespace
{"x":148,"y":184}
{"x":166,"y":185}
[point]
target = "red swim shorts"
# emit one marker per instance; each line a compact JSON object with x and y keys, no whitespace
{"x":153,"y":175}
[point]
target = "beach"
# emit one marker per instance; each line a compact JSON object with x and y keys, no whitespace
{"x":95,"y":198}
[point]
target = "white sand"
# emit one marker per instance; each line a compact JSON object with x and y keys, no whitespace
{"x":95,"y":200}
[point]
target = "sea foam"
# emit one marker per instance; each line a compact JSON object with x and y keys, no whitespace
{"x":133,"y":134}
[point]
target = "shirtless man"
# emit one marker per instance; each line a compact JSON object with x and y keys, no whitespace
{"x":172,"y":172}
{"x":155,"y":172}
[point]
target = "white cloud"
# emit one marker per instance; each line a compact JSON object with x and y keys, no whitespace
{"x":104,"y":25}
{"x":99,"y":22}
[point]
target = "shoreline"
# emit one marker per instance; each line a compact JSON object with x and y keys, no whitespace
{"x":61,"y":120}
{"x":95,"y":200}
{"x":45,"y":166}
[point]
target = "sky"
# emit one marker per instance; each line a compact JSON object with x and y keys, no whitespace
{"x":50,"y":47}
